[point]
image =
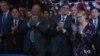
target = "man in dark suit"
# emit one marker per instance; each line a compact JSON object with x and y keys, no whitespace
{"x":5,"y":18}
{"x":19,"y":29}
{"x":34,"y":38}
{"x":60,"y":30}
{"x":95,"y":20}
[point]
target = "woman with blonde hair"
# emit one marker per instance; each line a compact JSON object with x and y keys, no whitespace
{"x":82,"y":36}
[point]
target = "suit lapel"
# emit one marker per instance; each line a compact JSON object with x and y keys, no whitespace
{"x":20,"y":23}
{"x":98,"y":22}
{"x":67,"y":21}
{"x":58,"y":19}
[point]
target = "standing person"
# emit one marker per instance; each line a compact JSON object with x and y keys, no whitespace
{"x":74,"y":11}
{"x":46,"y":21}
{"x":5,"y":17}
{"x":34,"y":39}
{"x":61,"y":30}
{"x":95,"y":20}
{"x":82,"y":36}
{"x":18,"y":30}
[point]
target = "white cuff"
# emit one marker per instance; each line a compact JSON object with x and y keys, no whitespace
{"x":64,"y":30}
{"x":28,"y":25}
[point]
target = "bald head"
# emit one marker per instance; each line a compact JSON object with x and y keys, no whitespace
{"x":36,"y":9}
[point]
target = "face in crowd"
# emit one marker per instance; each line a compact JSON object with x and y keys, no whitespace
{"x":36,"y":9}
{"x":28,"y":13}
{"x":74,"y":11}
{"x":51,"y":13}
{"x":22,"y":11}
{"x":4,"y":6}
{"x":15,"y":13}
{"x":94,"y":13}
{"x":46,"y":14}
{"x":64,"y":9}
{"x":81,"y":16}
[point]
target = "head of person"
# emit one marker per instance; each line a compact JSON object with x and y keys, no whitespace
{"x":51,"y":13}
{"x":15,"y":13}
{"x":82,"y":16}
{"x":28,"y":13}
{"x":4,"y":6}
{"x":94,"y":13}
{"x":54,"y":10}
{"x":46,"y":14}
{"x":64,"y":9}
{"x":74,"y":10}
{"x":36,"y":9}
{"x":22,"y":11}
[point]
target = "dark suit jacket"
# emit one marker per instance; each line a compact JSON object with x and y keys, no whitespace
{"x":40,"y":29}
{"x":97,"y":35}
{"x":21,"y":30}
{"x":98,"y":27}
{"x":5,"y":25}
{"x":67,"y":26}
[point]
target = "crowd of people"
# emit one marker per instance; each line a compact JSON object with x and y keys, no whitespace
{"x":68,"y":31}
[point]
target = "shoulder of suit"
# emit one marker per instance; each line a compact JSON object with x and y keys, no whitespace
{"x":99,"y":17}
{"x":55,"y":17}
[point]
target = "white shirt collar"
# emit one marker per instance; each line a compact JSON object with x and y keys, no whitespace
{"x":95,"y":22}
{"x":64,"y":16}
{"x":16,"y":20}
{"x":95,"y":19}
{"x":6,"y":13}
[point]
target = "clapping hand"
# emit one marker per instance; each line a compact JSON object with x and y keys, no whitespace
{"x":60,"y":26}
{"x":74,"y":28}
{"x":13,"y":29}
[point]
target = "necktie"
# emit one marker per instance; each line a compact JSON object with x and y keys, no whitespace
{"x":3,"y":18}
{"x":95,"y":23}
{"x":63,"y":19}
{"x":32,"y":36}
{"x":15,"y":22}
